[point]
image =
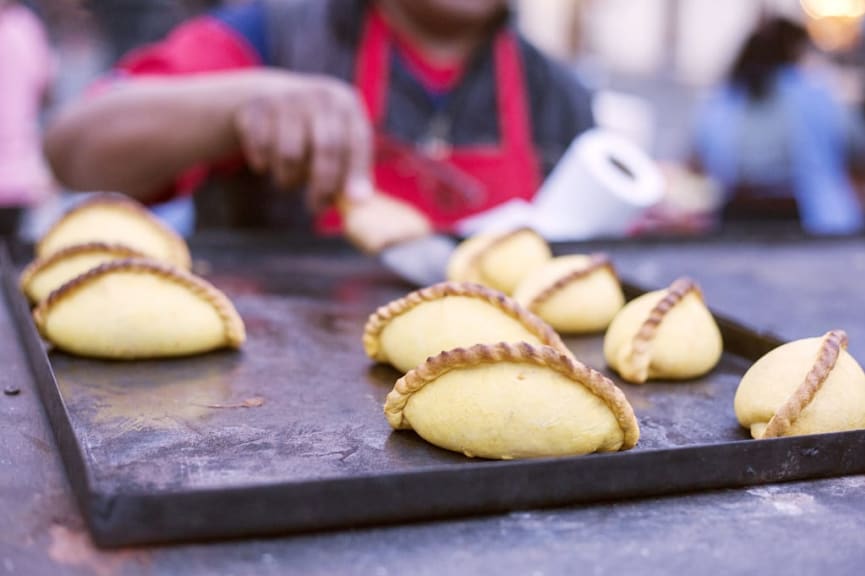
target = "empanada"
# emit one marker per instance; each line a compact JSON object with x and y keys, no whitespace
{"x":115,"y":219}
{"x":512,"y":401}
{"x":666,"y":334}
{"x":138,"y":309}
{"x":449,"y":315}
{"x":374,"y":223}
{"x":45,"y":275}
{"x":574,"y":294}
{"x":498,"y":260}
{"x":808,"y":386}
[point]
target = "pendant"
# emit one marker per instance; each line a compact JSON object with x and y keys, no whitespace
{"x":435,"y":144}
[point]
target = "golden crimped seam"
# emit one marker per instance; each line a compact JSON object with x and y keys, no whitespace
{"x":179,"y":250}
{"x":833,"y":343}
{"x":596,"y":262}
{"x":379,"y":319}
{"x":231,"y":321}
{"x":523,"y":353}
{"x":639,"y":358}
{"x":41,"y":264}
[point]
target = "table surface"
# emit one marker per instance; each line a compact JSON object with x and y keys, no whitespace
{"x":792,"y":287}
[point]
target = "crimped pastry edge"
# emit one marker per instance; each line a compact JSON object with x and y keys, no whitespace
{"x":637,"y":362}
{"x":521,"y":352}
{"x":379,"y":319}
{"x":782,"y":421}
{"x":40,"y":264}
{"x":597,"y":261}
{"x":179,"y":251}
{"x":235,"y":332}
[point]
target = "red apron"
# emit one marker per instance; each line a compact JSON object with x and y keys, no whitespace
{"x":448,"y":184}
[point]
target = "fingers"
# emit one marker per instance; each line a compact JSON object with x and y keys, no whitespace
{"x":358,"y":184}
{"x":255,"y":134}
{"x":288,"y":154}
{"x":311,"y":130}
{"x":329,"y":147}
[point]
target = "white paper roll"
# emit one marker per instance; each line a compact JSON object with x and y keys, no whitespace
{"x":600,"y":186}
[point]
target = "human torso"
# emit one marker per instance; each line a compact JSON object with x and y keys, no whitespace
{"x":325,"y":37}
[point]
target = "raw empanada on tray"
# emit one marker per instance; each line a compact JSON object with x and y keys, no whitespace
{"x":665,"y":334}
{"x":138,"y":309}
{"x":574,"y":294}
{"x":47,"y":274}
{"x":116,"y":219}
{"x":405,"y":332}
{"x":807,"y":386}
{"x":499,"y":260}
{"x":509,"y":401}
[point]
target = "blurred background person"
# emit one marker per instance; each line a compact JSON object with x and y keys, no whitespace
{"x":774,"y":136}
{"x":26,"y":70}
{"x":444,"y":101}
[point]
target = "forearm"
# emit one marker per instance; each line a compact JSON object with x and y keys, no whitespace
{"x":139,"y":135}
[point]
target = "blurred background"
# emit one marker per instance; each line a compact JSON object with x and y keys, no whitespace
{"x":653,"y":66}
{"x":651,"y":61}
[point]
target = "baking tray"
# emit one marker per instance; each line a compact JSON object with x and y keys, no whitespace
{"x":288,"y":435}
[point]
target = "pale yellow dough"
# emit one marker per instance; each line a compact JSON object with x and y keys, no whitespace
{"x":407,"y":331}
{"x":116,"y":219}
{"x":375,"y":223}
{"x":47,"y":274}
{"x":507,"y":401}
{"x":775,"y":387}
{"x":681,"y":341}
{"x":574,"y":294}
{"x":138,"y":309}
{"x":499,"y":260}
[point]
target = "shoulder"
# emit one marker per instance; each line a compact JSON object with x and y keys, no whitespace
{"x":341,"y":18}
{"x":203,"y":44}
{"x":721,"y":98}
{"x":248,"y":21}
{"x":314,"y":36}
{"x":551,"y":76}
{"x":805,"y":84}
{"x":263,"y":24}
{"x":561,"y":105}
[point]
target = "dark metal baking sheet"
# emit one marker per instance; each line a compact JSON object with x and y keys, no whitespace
{"x":288,"y":434}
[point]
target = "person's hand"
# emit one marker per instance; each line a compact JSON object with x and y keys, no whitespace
{"x":308,"y":130}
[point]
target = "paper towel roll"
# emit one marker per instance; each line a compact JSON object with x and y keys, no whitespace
{"x":598,"y":188}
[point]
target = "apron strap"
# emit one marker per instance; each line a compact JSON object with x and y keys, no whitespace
{"x":514,"y":111}
{"x":373,"y":67}
{"x":372,"y":79}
